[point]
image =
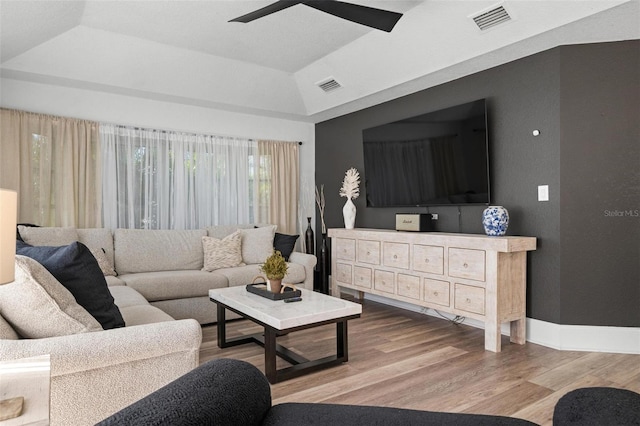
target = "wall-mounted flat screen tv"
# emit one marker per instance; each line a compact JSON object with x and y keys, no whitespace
{"x":437,"y":158}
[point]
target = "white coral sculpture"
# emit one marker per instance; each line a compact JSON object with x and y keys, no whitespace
{"x":350,"y":184}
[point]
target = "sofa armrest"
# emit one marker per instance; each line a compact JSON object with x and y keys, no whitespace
{"x":219,"y":392}
{"x":88,"y":351}
{"x":96,"y":374}
{"x":309,"y":262}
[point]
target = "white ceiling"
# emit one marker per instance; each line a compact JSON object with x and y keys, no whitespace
{"x":187,"y":52}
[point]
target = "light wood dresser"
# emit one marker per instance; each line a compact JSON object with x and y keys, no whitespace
{"x":470,"y":275}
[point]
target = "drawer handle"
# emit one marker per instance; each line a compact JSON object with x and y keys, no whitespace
{"x":426,"y":261}
{"x":435,"y":293}
{"x":395,"y":256}
{"x":408,"y":286}
{"x":465,"y":265}
{"x":468,"y":300}
{"x":368,"y":253}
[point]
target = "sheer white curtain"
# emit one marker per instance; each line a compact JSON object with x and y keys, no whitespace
{"x":169,"y":180}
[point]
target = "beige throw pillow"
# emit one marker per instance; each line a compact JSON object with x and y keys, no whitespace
{"x":103,"y":261}
{"x":37,"y":305}
{"x":257,"y":244}
{"x":222,"y":253}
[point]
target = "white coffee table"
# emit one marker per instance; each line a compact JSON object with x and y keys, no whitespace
{"x":278,"y":318}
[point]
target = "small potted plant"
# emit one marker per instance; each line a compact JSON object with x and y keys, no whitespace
{"x":275,"y":268}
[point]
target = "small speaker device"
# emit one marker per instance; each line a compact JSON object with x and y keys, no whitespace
{"x":417,"y":222}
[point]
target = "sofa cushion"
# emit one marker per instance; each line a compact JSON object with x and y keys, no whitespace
{"x":284,"y":244}
{"x":243,"y":275}
{"x":135,"y":309}
{"x":37,"y":305}
{"x":257,"y":244}
{"x":113,"y":281}
{"x":222,"y":253}
{"x":126,"y":296}
{"x":42,"y":236}
{"x":166,"y":285}
{"x":75,"y":267}
{"x":144,"y":314}
{"x":6,"y":331}
{"x":221,"y":231}
{"x":148,"y":250}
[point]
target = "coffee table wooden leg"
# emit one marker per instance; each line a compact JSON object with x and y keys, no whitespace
{"x":342,"y":343}
{"x":270,"y":354}
{"x":222,"y":332}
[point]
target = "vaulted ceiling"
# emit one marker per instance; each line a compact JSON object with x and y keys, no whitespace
{"x":187,"y":52}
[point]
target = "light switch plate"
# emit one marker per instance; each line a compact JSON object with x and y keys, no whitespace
{"x":543,"y":192}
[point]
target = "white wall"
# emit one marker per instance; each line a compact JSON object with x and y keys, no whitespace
{"x":126,"y":110}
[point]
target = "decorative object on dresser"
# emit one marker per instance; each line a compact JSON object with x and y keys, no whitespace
{"x":469,"y":275}
{"x":495,"y":220}
{"x":350,"y":189}
{"x":417,"y":222}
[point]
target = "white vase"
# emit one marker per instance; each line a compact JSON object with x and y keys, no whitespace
{"x":495,"y":220}
{"x":349,"y":213}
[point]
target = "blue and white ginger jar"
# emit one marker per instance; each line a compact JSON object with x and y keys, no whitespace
{"x":495,"y":220}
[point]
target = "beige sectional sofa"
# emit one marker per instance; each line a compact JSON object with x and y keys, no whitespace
{"x":161,"y":290}
{"x":165,"y":266}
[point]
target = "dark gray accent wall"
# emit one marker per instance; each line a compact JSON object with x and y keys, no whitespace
{"x":600,"y":184}
{"x":582,"y":99}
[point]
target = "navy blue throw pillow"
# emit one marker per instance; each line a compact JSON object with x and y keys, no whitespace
{"x":284,"y":244}
{"x":76,"y":269}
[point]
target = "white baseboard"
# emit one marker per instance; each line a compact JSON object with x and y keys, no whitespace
{"x":557,"y":336}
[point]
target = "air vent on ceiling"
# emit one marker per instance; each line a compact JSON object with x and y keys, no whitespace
{"x":329,"y":85}
{"x":491,"y":17}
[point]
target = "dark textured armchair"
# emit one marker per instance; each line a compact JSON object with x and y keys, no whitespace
{"x":232,"y":392}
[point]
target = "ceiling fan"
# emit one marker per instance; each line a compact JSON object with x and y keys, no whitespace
{"x":380,"y":19}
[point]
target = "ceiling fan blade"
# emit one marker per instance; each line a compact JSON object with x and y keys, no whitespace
{"x":267,"y":10}
{"x":380,"y":19}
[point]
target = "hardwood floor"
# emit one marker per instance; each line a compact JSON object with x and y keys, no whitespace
{"x":399,"y":358}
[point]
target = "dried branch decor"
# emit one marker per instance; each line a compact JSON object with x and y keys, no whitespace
{"x":321,"y":205}
{"x":350,"y":184}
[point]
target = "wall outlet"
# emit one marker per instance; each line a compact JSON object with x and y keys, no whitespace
{"x":543,"y":192}
{"x":434,"y":216}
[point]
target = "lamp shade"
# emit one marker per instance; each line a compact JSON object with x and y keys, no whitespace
{"x":8,"y":219}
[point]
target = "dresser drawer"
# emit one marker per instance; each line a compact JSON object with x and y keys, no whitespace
{"x":344,"y":273}
{"x":469,"y":298}
{"x":467,"y":263}
{"x":384,"y":281}
{"x":395,"y":255}
{"x":345,"y":249}
{"x":436,"y":291}
{"x":428,"y":259}
{"x":409,"y":286}
{"x":362,"y":277}
{"x":369,"y":252}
